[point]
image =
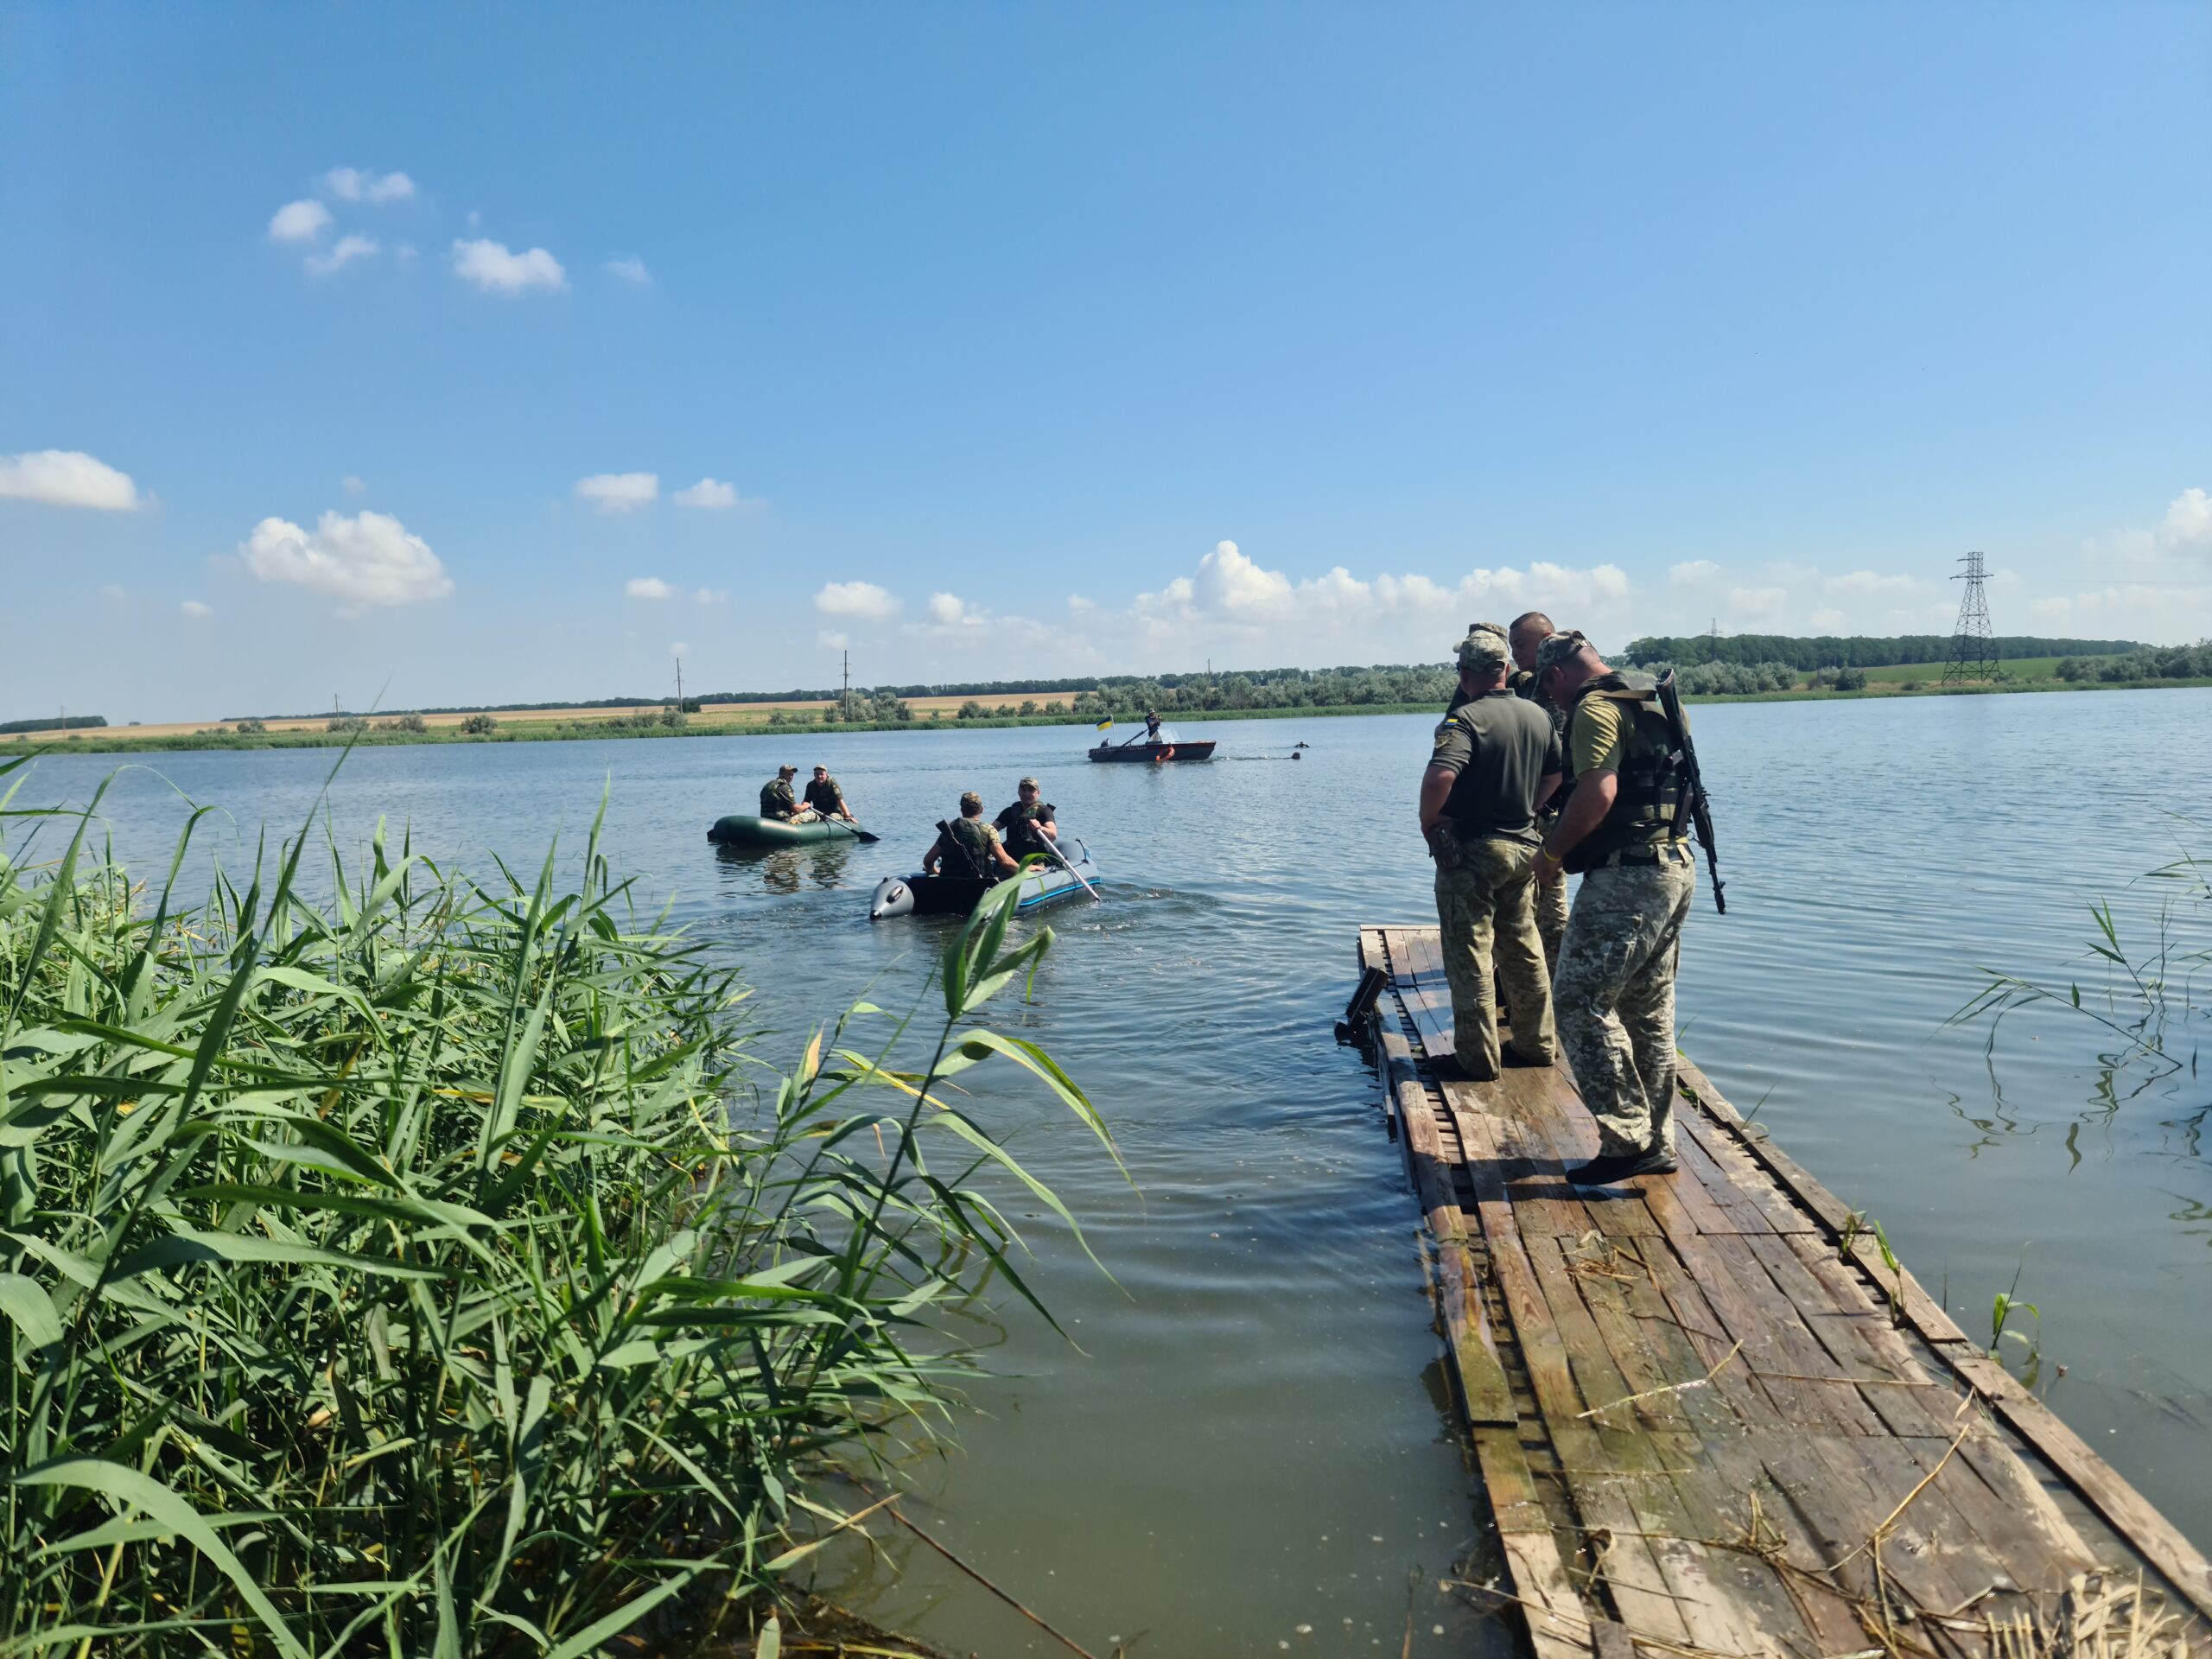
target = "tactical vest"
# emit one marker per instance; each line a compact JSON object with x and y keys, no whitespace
{"x":1650,"y":784}
{"x":776,"y":800}
{"x":1021,"y":832}
{"x":967,"y":835}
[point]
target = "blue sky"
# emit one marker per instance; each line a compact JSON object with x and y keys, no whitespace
{"x":1019,"y":338}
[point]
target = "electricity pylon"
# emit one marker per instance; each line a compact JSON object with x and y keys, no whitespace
{"x":1974,"y":653}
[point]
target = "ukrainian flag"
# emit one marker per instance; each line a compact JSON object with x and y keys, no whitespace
{"x":1102,"y":725}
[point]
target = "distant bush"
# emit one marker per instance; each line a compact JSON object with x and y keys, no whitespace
{"x":972,"y":709}
{"x":2145,"y":663}
{"x":479,"y":726}
{"x":404,"y":723}
{"x":246,"y":727}
{"x":347,"y":723}
{"x":1056,"y":707}
{"x":1029,"y":706}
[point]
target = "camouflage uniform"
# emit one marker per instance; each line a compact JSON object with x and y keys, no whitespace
{"x":777,"y":800}
{"x":1614,"y":986}
{"x":1615,"y":996}
{"x":968,"y":848}
{"x":823,"y":796}
{"x":1484,"y":893}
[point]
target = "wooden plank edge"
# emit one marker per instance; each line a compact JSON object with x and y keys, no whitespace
{"x":2130,"y":1514}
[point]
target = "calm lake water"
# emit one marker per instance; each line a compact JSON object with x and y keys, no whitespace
{"x":1250,"y":1447}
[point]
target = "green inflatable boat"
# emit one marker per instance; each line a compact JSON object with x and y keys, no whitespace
{"x":740,"y":830}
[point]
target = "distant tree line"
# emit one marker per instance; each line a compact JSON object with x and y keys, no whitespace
{"x":57,"y":723}
{"x":2143,"y":663}
{"x":1845,"y":651}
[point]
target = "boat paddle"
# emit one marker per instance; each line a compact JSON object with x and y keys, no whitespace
{"x":1052,"y":847}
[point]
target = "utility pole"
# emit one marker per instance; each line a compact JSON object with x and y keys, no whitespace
{"x":845,"y":702}
{"x":679,"y":685}
{"x":1974,"y":653}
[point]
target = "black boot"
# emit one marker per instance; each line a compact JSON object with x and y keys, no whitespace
{"x":1613,"y":1166}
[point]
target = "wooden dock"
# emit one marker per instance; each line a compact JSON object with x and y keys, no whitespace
{"x":1713,"y":1417}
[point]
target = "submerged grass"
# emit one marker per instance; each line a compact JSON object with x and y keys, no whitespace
{"x":431,"y":1271}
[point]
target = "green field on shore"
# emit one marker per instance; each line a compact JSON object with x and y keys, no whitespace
{"x":1909,"y":679}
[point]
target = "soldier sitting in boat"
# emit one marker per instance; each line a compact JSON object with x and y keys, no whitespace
{"x":825,"y":799}
{"x":1151,"y":727}
{"x":968,"y":846}
{"x":778,"y":804}
{"x":1027,"y":825}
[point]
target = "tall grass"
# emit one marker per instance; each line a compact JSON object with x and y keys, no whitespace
{"x":431,"y":1272}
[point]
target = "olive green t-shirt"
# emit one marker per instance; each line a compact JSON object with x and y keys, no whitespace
{"x":1598,"y":738}
{"x":1499,"y":748}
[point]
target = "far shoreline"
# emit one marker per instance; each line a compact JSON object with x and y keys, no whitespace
{"x":113,"y":740}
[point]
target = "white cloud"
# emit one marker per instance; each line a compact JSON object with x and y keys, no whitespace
{"x":495,"y":268}
{"x":648,"y":587}
{"x":353,"y":486}
{"x":67,"y":478}
{"x":194,"y":609}
{"x":680,"y":650}
{"x":2129,"y":611}
{"x":631,"y":271}
{"x":352,"y":184}
{"x":860,"y":599}
{"x":712,"y":596}
{"x":1758,"y":601}
{"x":707,"y":492}
{"x":946,"y":611}
{"x":348,"y":250}
{"x":2188,"y":525}
{"x":1868,"y":584}
{"x":365,"y":561}
{"x":619,"y":492}
{"x":117,"y":593}
{"x":1828,"y":621}
{"x":299,"y":221}
{"x":830,"y":639}
{"x":1695,"y":573}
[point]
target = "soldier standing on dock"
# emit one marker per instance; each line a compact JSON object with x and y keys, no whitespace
{"x":1529,"y":629}
{"x":1615,"y":985}
{"x":1495,"y":761}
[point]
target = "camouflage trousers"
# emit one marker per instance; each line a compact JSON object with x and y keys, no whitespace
{"x":1615,"y":992}
{"x":1486,"y":904}
{"x":1551,"y":921}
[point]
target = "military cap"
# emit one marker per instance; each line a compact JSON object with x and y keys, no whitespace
{"x":1029,"y":783}
{"x":971,"y":802}
{"x":1484,"y":650}
{"x":1558,"y":648}
{"x":786,"y":771}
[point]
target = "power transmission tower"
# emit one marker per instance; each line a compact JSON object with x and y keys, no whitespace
{"x":1974,"y":653}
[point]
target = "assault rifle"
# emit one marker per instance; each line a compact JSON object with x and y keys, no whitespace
{"x":1691,"y":800}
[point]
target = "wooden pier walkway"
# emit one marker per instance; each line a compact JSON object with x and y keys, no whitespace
{"x":1713,"y":1417}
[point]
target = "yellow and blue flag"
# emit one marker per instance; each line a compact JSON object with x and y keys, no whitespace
{"x":1103,"y":724}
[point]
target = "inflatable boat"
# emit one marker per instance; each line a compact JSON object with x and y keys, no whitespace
{"x":740,"y":830}
{"x":956,"y":895}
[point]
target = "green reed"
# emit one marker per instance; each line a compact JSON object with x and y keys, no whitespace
{"x":433,"y":1272}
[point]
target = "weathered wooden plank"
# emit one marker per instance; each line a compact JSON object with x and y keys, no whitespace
{"x":1710,"y":1338}
{"x":1841,"y":1424}
{"x":1638,"y":1589}
{"x":1758,"y":1188}
{"x":2130,"y":1514}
